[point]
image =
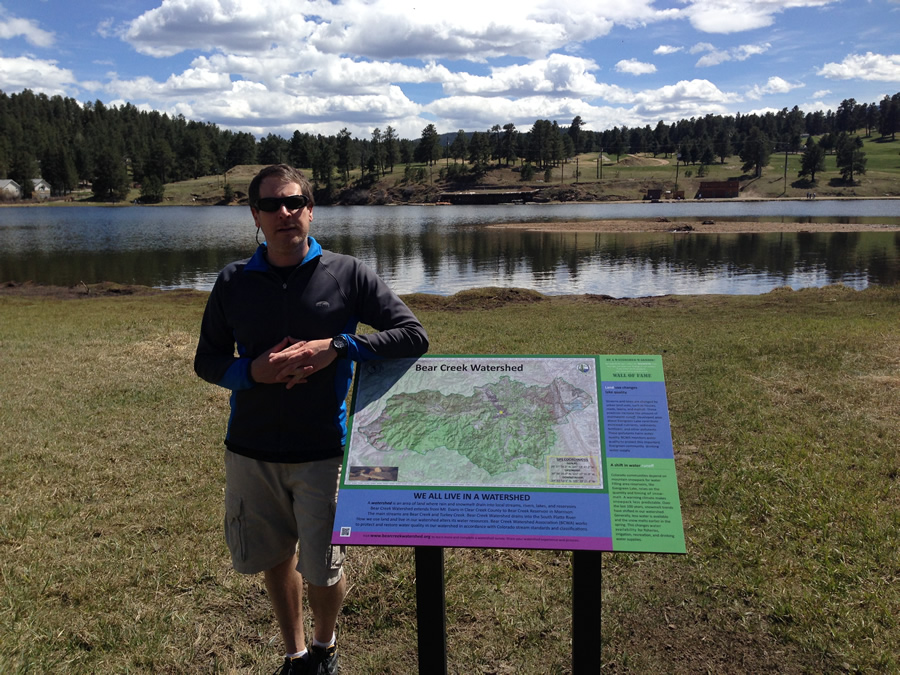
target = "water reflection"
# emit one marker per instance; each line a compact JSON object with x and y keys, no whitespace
{"x":173,"y":248}
{"x":626,"y":264}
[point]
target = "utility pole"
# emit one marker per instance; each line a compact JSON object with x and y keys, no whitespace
{"x":784,"y":192}
{"x":677,"y":158}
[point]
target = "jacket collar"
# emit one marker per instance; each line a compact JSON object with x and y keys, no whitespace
{"x":259,"y":263}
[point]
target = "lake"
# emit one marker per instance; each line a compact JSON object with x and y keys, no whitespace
{"x":446,"y":249}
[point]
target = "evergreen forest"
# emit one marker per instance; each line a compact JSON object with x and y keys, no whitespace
{"x":110,"y":149}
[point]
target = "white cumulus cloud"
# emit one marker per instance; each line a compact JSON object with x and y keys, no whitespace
{"x":665,"y":50}
{"x":635,"y":67}
{"x":226,"y":25}
{"x":559,"y":74}
{"x":22,"y":72}
{"x":775,"y":85}
{"x":385,"y":29}
{"x":734,"y":16}
{"x":714,"y":56}
{"x":192,"y":82}
{"x":13,"y":27}
{"x":868,"y":66}
{"x":473,"y":112}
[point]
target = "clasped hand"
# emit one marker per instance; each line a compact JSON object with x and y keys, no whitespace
{"x":292,"y":361}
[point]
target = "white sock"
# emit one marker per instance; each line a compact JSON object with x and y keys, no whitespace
{"x":298,"y":655}
{"x":316,"y":643}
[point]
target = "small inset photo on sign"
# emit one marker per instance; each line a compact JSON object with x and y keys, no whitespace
{"x":377,"y":473}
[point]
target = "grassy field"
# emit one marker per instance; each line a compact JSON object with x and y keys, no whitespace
{"x":785,"y":413}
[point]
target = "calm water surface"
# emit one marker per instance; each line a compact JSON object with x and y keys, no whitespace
{"x":446,"y":249}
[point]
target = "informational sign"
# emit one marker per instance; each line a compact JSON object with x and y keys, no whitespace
{"x":537,"y":452}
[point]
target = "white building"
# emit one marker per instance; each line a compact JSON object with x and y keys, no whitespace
{"x":10,"y":189}
{"x":41,"y":188}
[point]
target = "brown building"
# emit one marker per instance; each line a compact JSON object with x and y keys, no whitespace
{"x":719,"y":189}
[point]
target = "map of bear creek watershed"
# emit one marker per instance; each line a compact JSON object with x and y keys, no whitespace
{"x":478,"y":422}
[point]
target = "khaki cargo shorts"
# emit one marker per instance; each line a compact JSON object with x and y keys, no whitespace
{"x":271,"y":507}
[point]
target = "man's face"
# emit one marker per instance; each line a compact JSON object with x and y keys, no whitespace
{"x":285,"y":230}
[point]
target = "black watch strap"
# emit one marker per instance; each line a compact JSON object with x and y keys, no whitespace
{"x":341,"y":346}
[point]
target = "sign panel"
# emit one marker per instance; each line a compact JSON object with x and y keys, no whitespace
{"x":544,"y":452}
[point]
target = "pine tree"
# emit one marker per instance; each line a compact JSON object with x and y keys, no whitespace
{"x":851,"y":159}
{"x":756,"y":151}
{"x":812,"y":161}
{"x":110,"y":180}
{"x":459,"y":148}
{"x":391,"y":147}
{"x":429,"y":148}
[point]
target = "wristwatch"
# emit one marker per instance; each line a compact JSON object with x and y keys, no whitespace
{"x":341,"y":346}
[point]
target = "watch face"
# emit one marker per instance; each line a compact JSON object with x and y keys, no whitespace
{"x":340,"y":344}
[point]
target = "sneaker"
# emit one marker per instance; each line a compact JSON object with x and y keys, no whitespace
{"x":323,"y":660}
{"x":298,"y":666}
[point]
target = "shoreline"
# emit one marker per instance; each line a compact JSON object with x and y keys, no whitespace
{"x":663,"y":225}
{"x":51,"y":203}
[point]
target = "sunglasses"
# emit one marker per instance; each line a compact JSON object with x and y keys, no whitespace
{"x":292,"y":203}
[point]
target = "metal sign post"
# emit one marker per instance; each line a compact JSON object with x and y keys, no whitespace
{"x":431,"y":610}
{"x":586,"y":578}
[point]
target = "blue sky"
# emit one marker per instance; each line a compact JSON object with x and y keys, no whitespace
{"x":273,"y":66}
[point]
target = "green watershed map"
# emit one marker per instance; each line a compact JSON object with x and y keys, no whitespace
{"x":476,"y":421}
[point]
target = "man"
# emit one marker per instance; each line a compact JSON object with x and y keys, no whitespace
{"x":291,"y":313}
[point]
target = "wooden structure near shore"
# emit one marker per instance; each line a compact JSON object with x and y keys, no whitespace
{"x":719,"y":189}
{"x":488,"y":197}
{"x":658,"y":195}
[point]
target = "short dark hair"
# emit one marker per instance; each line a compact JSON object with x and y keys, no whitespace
{"x":285,"y":174}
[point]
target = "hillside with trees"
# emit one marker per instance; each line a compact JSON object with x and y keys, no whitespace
{"x":112,"y":153}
